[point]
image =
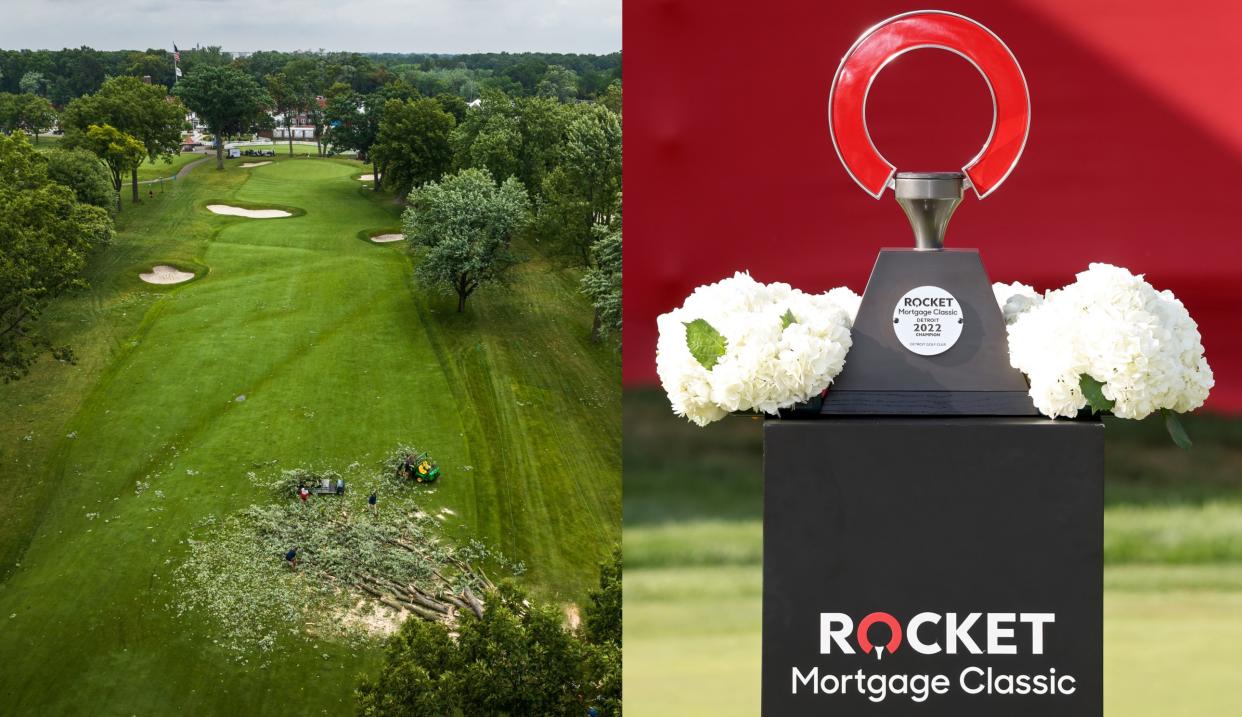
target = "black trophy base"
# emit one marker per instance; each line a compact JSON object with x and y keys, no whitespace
{"x":980,"y":540}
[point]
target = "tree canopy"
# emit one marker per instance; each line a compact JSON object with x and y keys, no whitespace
{"x":25,"y":112}
{"x":490,"y":137}
{"x":46,"y":236}
{"x":518,"y":659}
{"x":84,"y":173}
{"x":226,"y":99}
{"x":585,"y":188}
{"x":517,"y":136}
{"x":602,"y":282}
{"x":121,"y":152}
{"x":134,"y":107}
{"x":461,"y":228}
{"x":413,"y":144}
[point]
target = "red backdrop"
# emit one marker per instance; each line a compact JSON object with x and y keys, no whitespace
{"x":1134,"y":155}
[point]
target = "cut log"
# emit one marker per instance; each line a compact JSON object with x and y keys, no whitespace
{"x":475,"y":605}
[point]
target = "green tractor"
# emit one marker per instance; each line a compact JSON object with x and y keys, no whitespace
{"x":419,"y":467}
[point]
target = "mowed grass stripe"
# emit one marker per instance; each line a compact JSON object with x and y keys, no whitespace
{"x":336,"y":355}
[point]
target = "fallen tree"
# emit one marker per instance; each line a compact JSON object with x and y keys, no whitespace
{"x":350,"y":559}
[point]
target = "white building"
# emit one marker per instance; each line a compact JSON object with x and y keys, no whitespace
{"x":299,"y":132}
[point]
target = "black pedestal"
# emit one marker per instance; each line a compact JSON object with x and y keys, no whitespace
{"x":920,"y":525}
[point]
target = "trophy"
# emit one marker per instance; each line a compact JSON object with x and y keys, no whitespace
{"x":932,"y":546}
{"x":929,"y":336}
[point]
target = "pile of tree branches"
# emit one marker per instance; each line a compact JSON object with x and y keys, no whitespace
{"x":349,"y":554}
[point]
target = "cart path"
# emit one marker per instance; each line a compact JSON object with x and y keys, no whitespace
{"x":180,"y":173}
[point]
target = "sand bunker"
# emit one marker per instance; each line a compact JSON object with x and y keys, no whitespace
{"x":248,"y":165}
{"x":385,"y":238}
{"x":251,"y":213}
{"x":367,"y":178}
{"x":166,"y":275}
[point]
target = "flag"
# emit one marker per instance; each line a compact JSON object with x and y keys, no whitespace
{"x":176,"y":53}
{"x":179,"y":72}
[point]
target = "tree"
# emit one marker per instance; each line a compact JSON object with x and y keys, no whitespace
{"x":518,"y":659}
{"x":305,"y":80}
{"x":227,"y":100}
{"x":356,"y":120}
{"x":33,"y":83}
{"x":120,"y":151}
{"x":526,"y":73}
{"x":602,"y":282}
{"x":35,"y":114}
{"x":454,"y":105}
{"x":542,"y":122}
{"x":601,"y":628}
{"x":287,"y":100}
{"x":45,"y":238}
{"x":413,"y":145}
{"x":612,"y":97}
{"x":585,"y":188}
{"x":134,"y":107}
{"x":461,"y":228}
{"x":26,"y":112}
{"x":558,"y":83}
{"x":490,"y":137}
{"x":82,"y":172}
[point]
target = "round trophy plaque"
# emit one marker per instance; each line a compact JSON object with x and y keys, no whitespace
{"x":928,"y":320}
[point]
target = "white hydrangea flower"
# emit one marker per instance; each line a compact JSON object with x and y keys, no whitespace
{"x":766,"y":365}
{"x":1015,"y":298}
{"x":1113,"y":326}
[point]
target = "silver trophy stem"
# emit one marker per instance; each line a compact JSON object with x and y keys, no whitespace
{"x":928,"y":199}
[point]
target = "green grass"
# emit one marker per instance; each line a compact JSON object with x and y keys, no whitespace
{"x":46,"y":141}
{"x":340,"y":357}
{"x":693,"y":556}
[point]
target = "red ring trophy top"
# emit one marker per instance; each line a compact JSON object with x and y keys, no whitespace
{"x":1011,"y":103}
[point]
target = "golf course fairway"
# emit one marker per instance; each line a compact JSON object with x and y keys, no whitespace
{"x":299,"y":343}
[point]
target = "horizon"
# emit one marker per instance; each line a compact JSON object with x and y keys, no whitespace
{"x":444,"y":27}
{"x":318,"y":51}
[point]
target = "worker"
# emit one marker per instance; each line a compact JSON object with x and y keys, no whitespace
{"x":371,"y":502}
{"x":291,"y":557}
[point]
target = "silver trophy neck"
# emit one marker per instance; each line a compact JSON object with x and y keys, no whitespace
{"x":929,"y":199}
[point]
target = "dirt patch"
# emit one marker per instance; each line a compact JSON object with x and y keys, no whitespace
{"x":386,"y":238}
{"x":249,"y":213}
{"x":373,"y":619}
{"x":163,"y":274}
{"x":248,"y":165}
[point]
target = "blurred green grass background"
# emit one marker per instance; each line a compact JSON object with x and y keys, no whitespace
{"x":693,"y":554}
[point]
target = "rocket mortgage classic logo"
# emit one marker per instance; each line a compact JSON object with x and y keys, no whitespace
{"x":934,"y":634}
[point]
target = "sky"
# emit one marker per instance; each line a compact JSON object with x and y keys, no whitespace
{"x":441,"y":26}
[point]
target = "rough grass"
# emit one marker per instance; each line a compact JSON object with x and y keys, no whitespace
{"x":693,"y":554}
{"x":339,"y":357}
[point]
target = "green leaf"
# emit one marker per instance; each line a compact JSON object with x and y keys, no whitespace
{"x":1173,"y":424}
{"x":787,"y":319}
{"x":706,"y":344}
{"x":1094,"y":392}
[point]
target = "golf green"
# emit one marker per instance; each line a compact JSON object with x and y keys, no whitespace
{"x":299,"y":343}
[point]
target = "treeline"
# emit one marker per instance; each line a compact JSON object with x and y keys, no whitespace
{"x":63,"y":75}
